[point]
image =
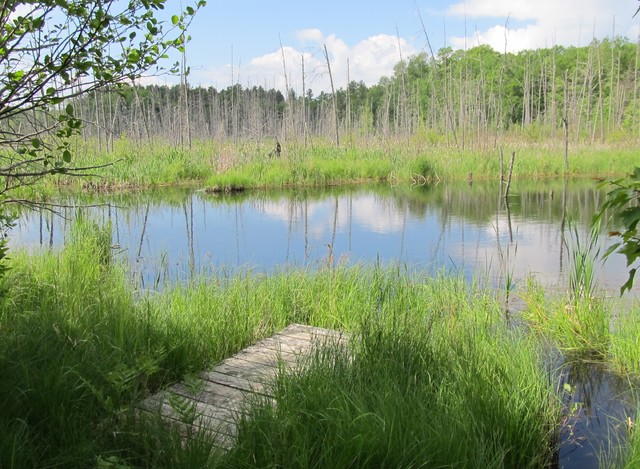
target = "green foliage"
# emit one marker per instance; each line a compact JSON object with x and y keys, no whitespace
{"x":435,"y":373}
{"x":423,"y":167}
{"x":430,"y":389}
{"x":47,"y":64}
{"x":623,"y":199}
{"x":582,"y":257}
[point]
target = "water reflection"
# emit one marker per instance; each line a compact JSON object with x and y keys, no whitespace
{"x":168,"y":234}
{"x":597,"y":405}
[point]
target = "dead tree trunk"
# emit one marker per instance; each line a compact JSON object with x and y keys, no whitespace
{"x":333,"y":94}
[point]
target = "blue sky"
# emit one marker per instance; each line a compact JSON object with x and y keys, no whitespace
{"x":366,"y":38}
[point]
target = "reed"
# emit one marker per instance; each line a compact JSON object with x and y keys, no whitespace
{"x":248,"y":164}
{"x":434,"y":372}
{"x":415,"y":390}
{"x":580,"y":326}
{"x":582,"y":258}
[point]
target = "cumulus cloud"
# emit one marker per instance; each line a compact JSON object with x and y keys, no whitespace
{"x":367,"y":61}
{"x":546,"y":22}
{"x":24,"y":10}
{"x":313,"y":35}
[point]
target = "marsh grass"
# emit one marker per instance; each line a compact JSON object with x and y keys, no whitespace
{"x":625,"y":340}
{"x":631,"y":455}
{"x":246,"y":164}
{"x":582,"y":258}
{"x":411,"y":391}
{"x":434,"y":371}
{"x":580,"y":326}
{"x":626,"y":452}
{"x":579,"y":323}
{"x":77,"y":351}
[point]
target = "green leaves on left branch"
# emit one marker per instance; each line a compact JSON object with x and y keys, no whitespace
{"x":100,"y":44}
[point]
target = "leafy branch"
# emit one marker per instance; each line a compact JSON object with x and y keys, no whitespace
{"x":624,"y":200}
{"x":54,"y":51}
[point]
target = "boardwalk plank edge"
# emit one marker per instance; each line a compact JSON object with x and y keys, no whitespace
{"x":215,"y":403}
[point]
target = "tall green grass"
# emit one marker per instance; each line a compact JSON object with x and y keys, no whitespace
{"x":579,"y":326}
{"x":77,"y":352}
{"x":579,"y":323}
{"x":433,"y":368}
{"x":583,"y":255}
{"x":626,"y":454}
{"x":229,"y":165}
{"x":625,"y":340}
{"x":414,"y":390}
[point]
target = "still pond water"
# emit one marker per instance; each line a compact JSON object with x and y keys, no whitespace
{"x":169,"y":235}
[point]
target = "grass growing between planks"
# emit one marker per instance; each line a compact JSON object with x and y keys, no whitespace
{"x":442,"y":389}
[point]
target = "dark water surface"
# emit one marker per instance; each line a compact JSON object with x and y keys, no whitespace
{"x":169,"y":235}
{"x":598,"y":404}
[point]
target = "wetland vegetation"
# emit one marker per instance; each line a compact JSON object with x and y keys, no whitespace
{"x":439,"y":371}
{"x":429,"y":352}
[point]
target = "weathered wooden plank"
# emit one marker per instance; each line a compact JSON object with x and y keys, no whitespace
{"x":236,"y":382}
{"x":221,"y":396}
{"x":265,"y":355}
{"x":220,"y":422}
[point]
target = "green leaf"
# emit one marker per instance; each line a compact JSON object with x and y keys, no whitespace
{"x":69,"y":109}
{"x":175,"y":19}
{"x":35,"y":143}
{"x":38,"y":22}
{"x":16,"y":76}
{"x":134,"y":56}
{"x":66,"y":156}
{"x":629,"y":283}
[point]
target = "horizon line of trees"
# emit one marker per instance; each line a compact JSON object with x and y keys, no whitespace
{"x":460,"y":98}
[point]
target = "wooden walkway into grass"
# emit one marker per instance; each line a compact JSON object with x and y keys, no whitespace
{"x":214,"y":401}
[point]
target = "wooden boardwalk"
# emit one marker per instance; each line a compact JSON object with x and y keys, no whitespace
{"x":215,"y":399}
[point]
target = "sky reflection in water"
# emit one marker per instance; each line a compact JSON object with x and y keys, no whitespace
{"x":168,"y":234}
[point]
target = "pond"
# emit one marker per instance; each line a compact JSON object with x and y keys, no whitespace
{"x":168,"y":235}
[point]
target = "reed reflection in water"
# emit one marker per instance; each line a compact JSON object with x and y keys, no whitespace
{"x":168,"y":235}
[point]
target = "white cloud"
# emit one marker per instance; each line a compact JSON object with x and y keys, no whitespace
{"x":547,"y":22}
{"x":313,"y":35}
{"x":24,"y":10}
{"x":368,"y":61}
{"x":369,"y":212}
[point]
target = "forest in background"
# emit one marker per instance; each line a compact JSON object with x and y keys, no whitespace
{"x":462,"y":99}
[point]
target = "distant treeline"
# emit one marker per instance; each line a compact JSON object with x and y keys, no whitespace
{"x":460,"y":98}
